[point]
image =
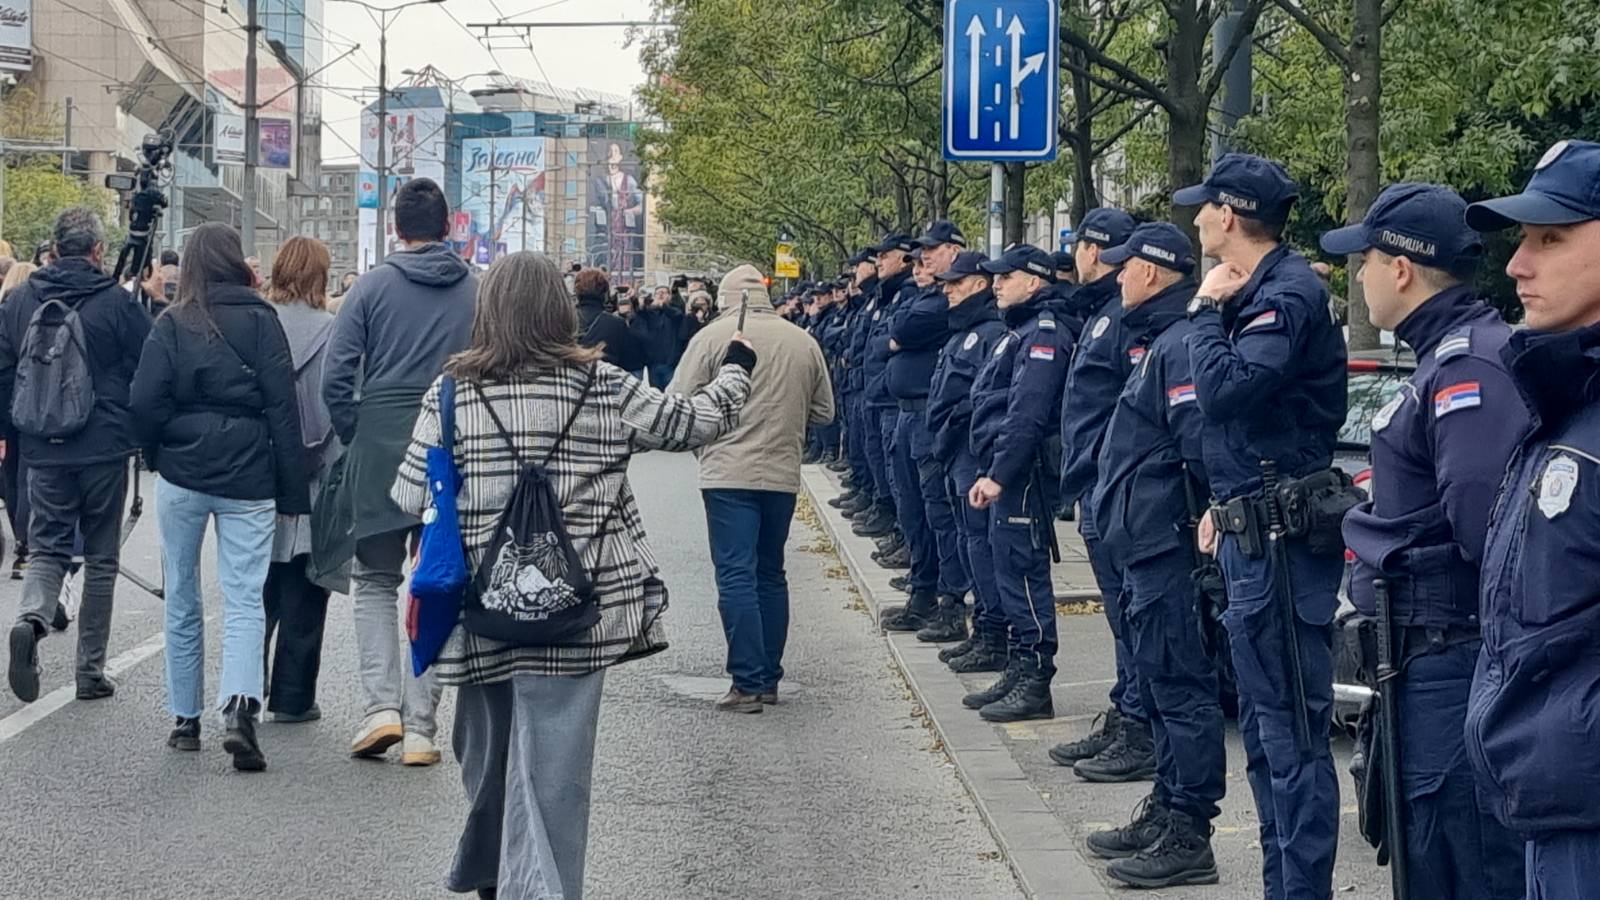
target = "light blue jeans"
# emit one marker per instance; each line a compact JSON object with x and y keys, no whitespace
{"x":244,"y":551}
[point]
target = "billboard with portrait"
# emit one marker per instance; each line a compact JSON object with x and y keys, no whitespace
{"x":616,"y":209}
{"x":415,"y":147}
{"x":503,"y":193}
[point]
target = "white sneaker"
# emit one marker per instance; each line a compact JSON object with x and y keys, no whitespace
{"x":379,"y":731}
{"x":418,"y":751}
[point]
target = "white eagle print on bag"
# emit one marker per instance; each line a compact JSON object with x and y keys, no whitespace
{"x":529,"y":581}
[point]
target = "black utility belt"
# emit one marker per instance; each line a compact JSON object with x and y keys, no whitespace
{"x":1310,"y":509}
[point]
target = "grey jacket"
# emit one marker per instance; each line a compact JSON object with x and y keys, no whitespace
{"x":309,"y":331}
{"x":396,"y":328}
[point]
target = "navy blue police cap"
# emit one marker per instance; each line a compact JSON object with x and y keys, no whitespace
{"x":967,"y":262}
{"x":1105,"y":226}
{"x":895,"y":241}
{"x":1162,"y":243}
{"x":1063,"y":261}
{"x":1023,"y":258}
{"x":1564,"y":190}
{"x":916,"y":252}
{"x":867,"y":255}
{"x":1253,"y":187}
{"x":1425,"y":223}
{"x":942,"y":231}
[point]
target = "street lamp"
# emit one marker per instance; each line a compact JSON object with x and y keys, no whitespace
{"x":382,"y":17}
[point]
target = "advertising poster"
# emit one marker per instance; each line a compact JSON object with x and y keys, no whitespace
{"x":503,"y":194}
{"x":16,"y":35}
{"x":616,"y":209}
{"x":416,"y":148}
{"x":276,"y":149}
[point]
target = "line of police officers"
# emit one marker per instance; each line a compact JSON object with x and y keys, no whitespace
{"x":1194,"y":425}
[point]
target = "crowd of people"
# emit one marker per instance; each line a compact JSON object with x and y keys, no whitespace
{"x":1189,"y":425}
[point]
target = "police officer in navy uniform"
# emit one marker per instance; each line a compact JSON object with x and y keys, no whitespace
{"x":881,"y":412}
{"x":1121,"y":749}
{"x":1439,"y":449}
{"x":1532,"y":721}
{"x":1066,"y":269}
{"x":864,"y":283}
{"x":1150,"y":459}
{"x":1014,"y":422}
{"x":974,"y":323}
{"x":939,"y":585}
{"x":1269,"y":371}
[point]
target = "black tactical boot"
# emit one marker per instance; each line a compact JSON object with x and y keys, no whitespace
{"x":887,"y":544}
{"x":1029,"y":698}
{"x":1149,"y":822}
{"x":980,"y":699}
{"x":949,"y":622}
{"x":900,"y":559}
{"x":1181,"y":856}
{"x":985,"y":656}
{"x":1131,"y":757}
{"x":860,"y":505}
{"x":878,"y":522}
{"x":1109,"y":724}
{"x":843,"y":500}
{"x":901,"y":583}
{"x":960,"y":649}
{"x":842,"y":464}
{"x":828,"y":457}
{"x":914,"y":615}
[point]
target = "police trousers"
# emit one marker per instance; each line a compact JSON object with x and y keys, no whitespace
{"x":1296,"y":790}
{"x":855,"y":442}
{"x":974,"y":550}
{"x":877,"y":453}
{"x":1125,"y":692}
{"x":1456,"y":848}
{"x":1022,"y":570}
{"x":1563,"y":865}
{"x":910,"y":505}
{"x":1177,"y":682}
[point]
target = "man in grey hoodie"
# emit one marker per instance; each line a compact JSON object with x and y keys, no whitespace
{"x":394,"y":331}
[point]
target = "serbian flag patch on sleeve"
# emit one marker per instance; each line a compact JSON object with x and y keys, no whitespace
{"x":1042,"y":351}
{"x":1457,"y":396}
{"x":1183,"y":393}
{"x":1264,"y":320}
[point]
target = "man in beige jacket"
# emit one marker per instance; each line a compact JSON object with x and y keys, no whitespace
{"x":749,"y":478}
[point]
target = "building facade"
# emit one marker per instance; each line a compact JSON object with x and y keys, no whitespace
{"x":328,"y":214}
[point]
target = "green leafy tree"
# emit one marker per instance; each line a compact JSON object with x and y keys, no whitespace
{"x":36,"y":192}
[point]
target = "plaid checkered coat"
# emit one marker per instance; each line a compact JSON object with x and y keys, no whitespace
{"x":589,"y":472}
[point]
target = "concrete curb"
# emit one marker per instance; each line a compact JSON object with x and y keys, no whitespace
{"x":1043,"y":856}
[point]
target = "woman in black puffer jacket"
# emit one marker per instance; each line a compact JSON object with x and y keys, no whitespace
{"x":214,"y":404}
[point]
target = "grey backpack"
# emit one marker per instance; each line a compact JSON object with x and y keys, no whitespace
{"x":54,"y":391}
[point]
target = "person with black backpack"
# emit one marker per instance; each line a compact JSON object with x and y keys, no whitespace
{"x":566,"y":585}
{"x":69,"y":343}
{"x":214,"y":405}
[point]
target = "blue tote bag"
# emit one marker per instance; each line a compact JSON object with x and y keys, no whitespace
{"x":441,"y":573}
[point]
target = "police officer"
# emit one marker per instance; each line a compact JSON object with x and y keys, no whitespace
{"x":1439,"y":449}
{"x":1066,"y":267}
{"x":1269,"y":372}
{"x":882,"y":413}
{"x":870,"y":472}
{"x":1532,"y":727}
{"x":975,"y":326}
{"x":1121,"y":749}
{"x":822,"y":315}
{"x":1142,"y":497}
{"x":937,"y":609}
{"x":863,"y":278}
{"x":1014,"y":413}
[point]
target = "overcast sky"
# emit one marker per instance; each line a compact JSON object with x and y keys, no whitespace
{"x":422,"y":35}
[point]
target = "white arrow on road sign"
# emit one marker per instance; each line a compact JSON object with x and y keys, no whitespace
{"x":1019,"y":72}
{"x":975,"y":35}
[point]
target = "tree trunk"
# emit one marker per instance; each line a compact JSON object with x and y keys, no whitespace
{"x":1015,"y":229}
{"x":1362,"y":163}
{"x":940,"y":190}
{"x":1186,"y":122}
{"x":1084,"y":195}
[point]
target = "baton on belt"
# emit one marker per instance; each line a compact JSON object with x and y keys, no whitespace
{"x":1389,"y":734}
{"x":1283,"y":592}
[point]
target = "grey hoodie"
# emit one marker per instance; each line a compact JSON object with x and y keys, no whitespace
{"x":396,"y":328}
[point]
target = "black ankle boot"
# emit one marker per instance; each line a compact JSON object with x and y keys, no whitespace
{"x":1109,"y":726}
{"x":960,"y":649}
{"x":949,"y":622}
{"x":186,"y":735}
{"x":985,"y":656}
{"x":1149,"y":822}
{"x":1029,"y":698}
{"x":239,"y":739}
{"x":980,"y":699}
{"x":913,"y":616}
{"x":1181,"y":856}
{"x":1131,"y":757}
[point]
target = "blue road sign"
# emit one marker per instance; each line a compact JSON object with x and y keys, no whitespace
{"x":1001,"y":84}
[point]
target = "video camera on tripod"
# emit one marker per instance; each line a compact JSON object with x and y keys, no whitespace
{"x":146,"y":200}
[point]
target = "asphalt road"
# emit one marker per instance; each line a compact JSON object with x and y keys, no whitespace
{"x":838,"y":792}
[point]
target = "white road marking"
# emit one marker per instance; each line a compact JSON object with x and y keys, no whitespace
{"x":35,"y":712}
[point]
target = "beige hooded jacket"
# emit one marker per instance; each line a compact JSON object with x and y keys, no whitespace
{"x":790,"y":389}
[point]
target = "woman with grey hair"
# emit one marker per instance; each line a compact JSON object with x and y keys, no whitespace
{"x":526,"y":715}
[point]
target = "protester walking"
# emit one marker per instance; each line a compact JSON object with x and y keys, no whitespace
{"x":749,"y":478}
{"x":71,"y":415}
{"x":214,"y":404}
{"x":525,"y":392}
{"x":398,"y":325}
{"x":296,"y":606}
{"x":13,"y":473}
{"x":606,"y":330}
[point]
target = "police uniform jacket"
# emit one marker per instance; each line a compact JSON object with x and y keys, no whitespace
{"x":921,"y":326}
{"x":1270,"y":376}
{"x":1100,"y":367}
{"x":1076,"y":305}
{"x":855,"y":339}
{"x":1439,"y":450}
{"x":1014,"y":397}
{"x":1532,"y":724}
{"x":876,"y":352}
{"x":1153,"y":440}
{"x":975,"y":326}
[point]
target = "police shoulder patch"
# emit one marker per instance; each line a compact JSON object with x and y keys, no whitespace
{"x":1047,"y":324}
{"x":1261,"y":321}
{"x":1451,"y":398}
{"x":1456,"y":343}
{"x":970,"y":342}
{"x":1000,"y":346}
{"x":1380,"y":421}
{"x":1100,"y":326}
{"x":876,"y":313}
{"x":1560,"y":479}
{"x":1042,"y":351}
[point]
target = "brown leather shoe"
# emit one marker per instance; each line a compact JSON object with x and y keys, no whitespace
{"x":738,"y":701}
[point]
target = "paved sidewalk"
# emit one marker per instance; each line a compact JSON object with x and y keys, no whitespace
{"x":1040,"y":812}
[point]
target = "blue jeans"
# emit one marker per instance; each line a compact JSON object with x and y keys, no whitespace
{"x":748,"y":530}
{"x":244,"y":551}
{"x":661,"y":374}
